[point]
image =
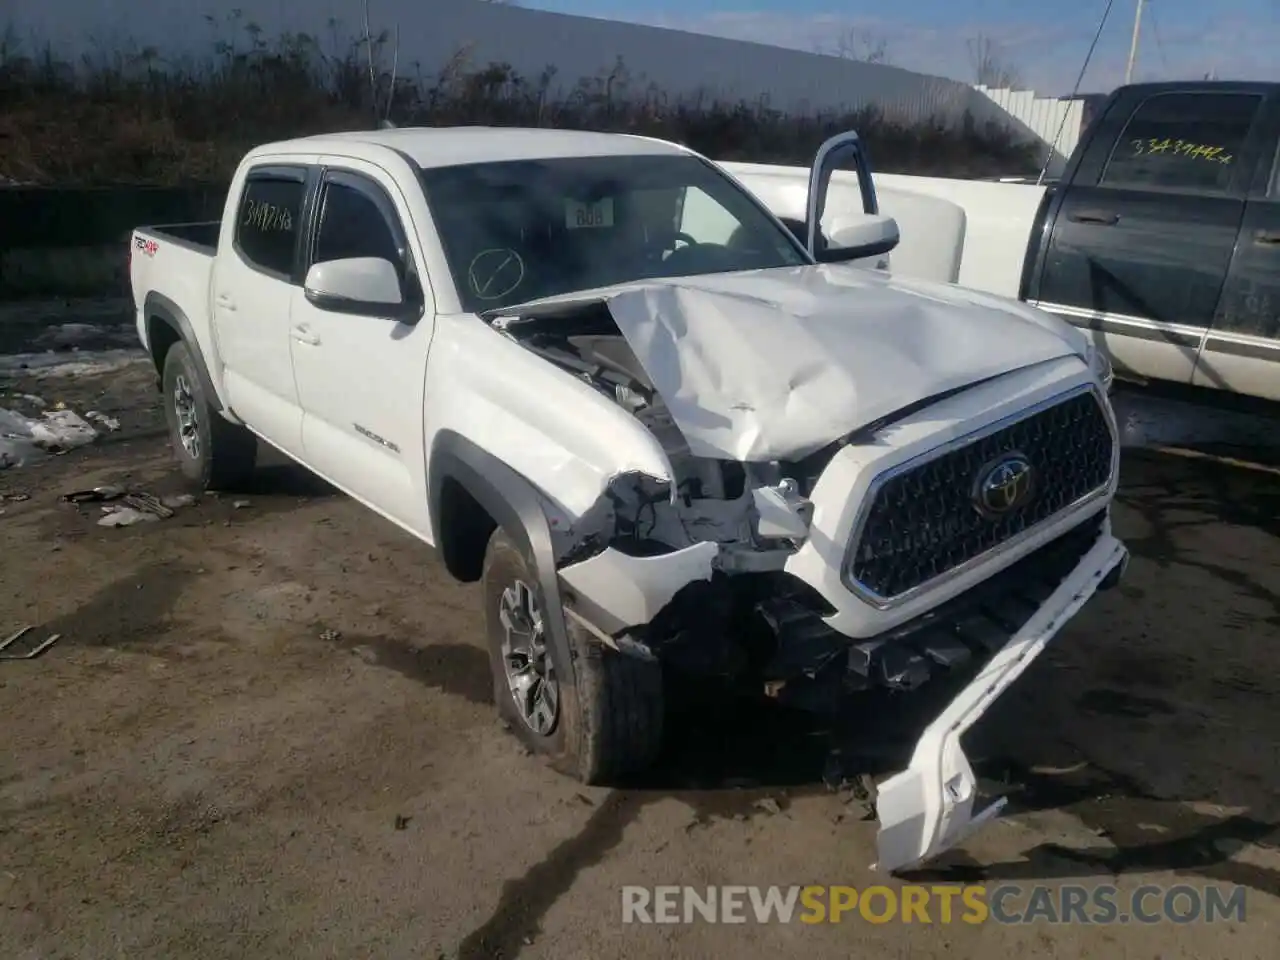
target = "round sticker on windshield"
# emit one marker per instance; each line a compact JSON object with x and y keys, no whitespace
{"x":495,"y":273}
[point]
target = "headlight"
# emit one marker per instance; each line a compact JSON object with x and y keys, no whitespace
{"x":1100,"y":364}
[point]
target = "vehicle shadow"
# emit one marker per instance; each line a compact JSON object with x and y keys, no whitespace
{"x":278,"y":476}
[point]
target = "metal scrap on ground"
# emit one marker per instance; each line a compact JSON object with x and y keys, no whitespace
{"x":30,"y":654}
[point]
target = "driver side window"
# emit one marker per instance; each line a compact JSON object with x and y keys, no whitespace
{"x":352,"y":224}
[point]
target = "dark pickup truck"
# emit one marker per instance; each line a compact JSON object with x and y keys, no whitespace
{"x":1161,"y":238}
{"x":1163,"y":235}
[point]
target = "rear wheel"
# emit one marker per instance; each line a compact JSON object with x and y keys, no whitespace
{"x":601,"y":725}
{"x":212,"y":452}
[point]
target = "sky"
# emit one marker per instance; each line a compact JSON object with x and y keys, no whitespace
{"x":1046,"y":43}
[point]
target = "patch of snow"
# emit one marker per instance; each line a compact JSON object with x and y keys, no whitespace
{"x":25,"y":439}
{"x":78,"y":364}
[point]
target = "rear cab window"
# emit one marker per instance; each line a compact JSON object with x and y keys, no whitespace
{"x":1183,"y":141}
{"x":269,"y":220}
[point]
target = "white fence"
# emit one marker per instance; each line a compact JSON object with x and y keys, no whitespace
{"x":431,"y":32}
{"x":1056,"y":123}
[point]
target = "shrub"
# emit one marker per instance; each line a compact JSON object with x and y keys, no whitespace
{"x":137,"y":117}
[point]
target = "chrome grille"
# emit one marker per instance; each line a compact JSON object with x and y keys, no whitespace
{"x":922,"y":521}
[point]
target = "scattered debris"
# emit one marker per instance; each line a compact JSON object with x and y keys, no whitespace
{"x":31,"y":654}
{"x":10,"y":496}
{"x":109,"y":423}
{"x":768,"y":805}
{"x":330,"y":635}
{"x":402,"y":822}
{"x":147,"y":503}
{"x":125,"y":517}
{"x":95,"y":495}
{"x":123,"y":508}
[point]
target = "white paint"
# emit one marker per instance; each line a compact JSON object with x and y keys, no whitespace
{"x":367,"y":279}
{"x":773,"y":364}
{"x":997,"y":225}
{"x":971,"y":232}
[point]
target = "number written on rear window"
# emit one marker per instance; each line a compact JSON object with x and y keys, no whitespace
{"x":267,"y":228}
{"x":1182,"y":141}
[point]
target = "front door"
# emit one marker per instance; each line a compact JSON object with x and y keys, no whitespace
{"x":254,"y":280}
{"x":361,"y":379}
{"x":1144,"y":235}
{"x":1242,"y":351}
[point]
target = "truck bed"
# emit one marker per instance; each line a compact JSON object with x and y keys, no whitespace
{"x":202,"y":237}
{"x":170,"y":267}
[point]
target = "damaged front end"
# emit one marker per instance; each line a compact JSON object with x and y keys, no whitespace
{"x":699,"y":568}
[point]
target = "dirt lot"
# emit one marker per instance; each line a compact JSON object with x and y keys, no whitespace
{"x":266,"y":732}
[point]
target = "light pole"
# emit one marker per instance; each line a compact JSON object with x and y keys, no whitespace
{"x":1133,"y":44}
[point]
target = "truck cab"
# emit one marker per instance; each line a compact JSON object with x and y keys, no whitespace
{"x":1163,"y":237}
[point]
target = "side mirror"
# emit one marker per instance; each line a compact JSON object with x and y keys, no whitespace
{"x":366,"y":286}
{"x":842,"y":149}
{"x":870,"y":236}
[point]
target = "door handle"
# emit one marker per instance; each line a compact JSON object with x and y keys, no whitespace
{"x":1266,"y":236}
{"x":303,"y":335}
{"x":225,"y":302}
{"x":1104,"y":218}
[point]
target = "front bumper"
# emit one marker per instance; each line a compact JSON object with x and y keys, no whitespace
{"x":929,"y":807}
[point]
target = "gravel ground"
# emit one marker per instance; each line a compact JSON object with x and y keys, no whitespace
{"x":267,"y":732}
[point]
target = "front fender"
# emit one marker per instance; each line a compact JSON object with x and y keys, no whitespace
{"x":549,"y":427}
{"x":515,"y":506}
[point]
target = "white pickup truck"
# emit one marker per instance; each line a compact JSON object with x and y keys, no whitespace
{"x":604,"y":380}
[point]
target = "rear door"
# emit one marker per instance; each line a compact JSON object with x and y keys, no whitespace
{"x":255,"y":275}
{"x":1242,"y":351}
{"x":1145,"y":230}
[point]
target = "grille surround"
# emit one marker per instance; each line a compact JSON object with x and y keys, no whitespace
{"x":890,"y":599}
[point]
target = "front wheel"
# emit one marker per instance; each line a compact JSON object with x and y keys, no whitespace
{"x":212,"y":452}
{"x":606,"y":721}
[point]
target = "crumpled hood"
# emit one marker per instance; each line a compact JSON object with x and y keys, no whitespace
{"x":775,"y":364}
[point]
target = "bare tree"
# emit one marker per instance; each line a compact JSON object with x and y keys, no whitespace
{"x":857,"y":43}
{"x":990,"y":66}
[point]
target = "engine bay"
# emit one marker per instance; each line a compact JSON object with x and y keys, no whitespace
{"x":753,"y":510}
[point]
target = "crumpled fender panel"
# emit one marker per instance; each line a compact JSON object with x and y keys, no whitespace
{"x":622,"y":591}
{"x":555,"y":431}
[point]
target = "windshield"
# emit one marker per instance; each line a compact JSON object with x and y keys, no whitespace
{"x":523,"y":229}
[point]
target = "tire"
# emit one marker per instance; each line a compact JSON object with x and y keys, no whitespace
{"x":607,"y":725}
{"x":212,"y":452}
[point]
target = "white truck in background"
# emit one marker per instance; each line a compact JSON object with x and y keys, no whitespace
{"x":603,"y":380}
{"x":1161,"y":240}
